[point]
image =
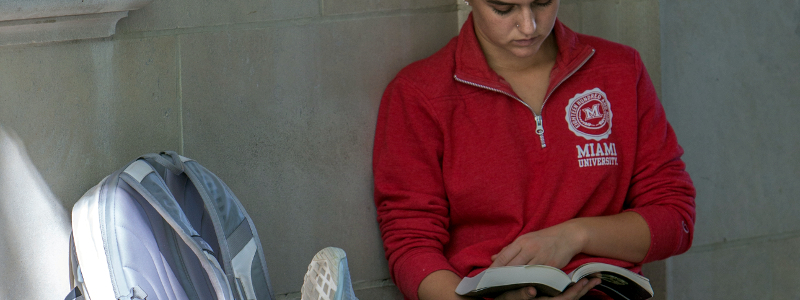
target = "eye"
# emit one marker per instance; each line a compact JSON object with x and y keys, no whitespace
{"x":543,"y":4}
{"x":505,"y":9}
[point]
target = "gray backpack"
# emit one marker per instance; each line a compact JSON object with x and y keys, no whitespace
{"x":163,"y":228}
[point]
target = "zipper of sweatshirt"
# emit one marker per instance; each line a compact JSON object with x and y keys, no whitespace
{"x":537,"y":117}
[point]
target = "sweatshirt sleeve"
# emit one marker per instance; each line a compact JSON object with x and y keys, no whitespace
{"x":413,"y":212}
{"x":661,"y":190}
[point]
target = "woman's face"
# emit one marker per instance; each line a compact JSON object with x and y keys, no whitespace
{"x":518,"y":27}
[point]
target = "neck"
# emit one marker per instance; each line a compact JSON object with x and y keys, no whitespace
{"x":501,"y":60}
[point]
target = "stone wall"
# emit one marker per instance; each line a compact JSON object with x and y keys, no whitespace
{"x":279,"y":98}
{"x":731,"y":80}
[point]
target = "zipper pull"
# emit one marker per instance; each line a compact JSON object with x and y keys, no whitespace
{"x":540,"y":130}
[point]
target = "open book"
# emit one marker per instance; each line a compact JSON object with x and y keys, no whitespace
{"x":618,"y":283}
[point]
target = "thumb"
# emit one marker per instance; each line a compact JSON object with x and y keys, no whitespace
{"x":528,"y":293}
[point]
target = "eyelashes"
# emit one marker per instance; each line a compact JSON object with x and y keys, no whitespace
{"x":502,"y":12}
{"x":511,"y":7}
{"x":543,"y":4}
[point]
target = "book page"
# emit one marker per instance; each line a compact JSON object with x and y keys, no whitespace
{"x":495,"y":281}
{"x":619,"y":283}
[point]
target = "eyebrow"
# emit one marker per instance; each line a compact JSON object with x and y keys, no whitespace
{"x":496,"y":2}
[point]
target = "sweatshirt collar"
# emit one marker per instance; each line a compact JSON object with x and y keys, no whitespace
{"x":471,"y":64}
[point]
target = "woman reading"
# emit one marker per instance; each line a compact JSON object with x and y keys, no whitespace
{"x":522,"y":142}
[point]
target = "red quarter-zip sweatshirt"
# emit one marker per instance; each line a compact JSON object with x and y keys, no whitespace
{"x":463,"y":167}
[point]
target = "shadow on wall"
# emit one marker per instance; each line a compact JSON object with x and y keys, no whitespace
{"x":34,"y":229}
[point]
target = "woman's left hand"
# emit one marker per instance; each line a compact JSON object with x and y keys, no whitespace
{"x":554,"y":246}
{"x":574,"y":292}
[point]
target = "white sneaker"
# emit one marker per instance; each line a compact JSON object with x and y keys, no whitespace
{"x":328,"y":277}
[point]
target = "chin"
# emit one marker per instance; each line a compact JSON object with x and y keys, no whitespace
{"x":525,"y":53}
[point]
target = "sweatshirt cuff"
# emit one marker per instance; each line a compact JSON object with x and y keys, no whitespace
{"x":669,"y":233}
{"x":412,"y":269}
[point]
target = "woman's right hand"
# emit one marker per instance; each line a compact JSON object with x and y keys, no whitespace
{"x":574,"y":292}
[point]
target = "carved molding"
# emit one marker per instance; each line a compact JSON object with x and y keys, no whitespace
{"x":42,"y":21}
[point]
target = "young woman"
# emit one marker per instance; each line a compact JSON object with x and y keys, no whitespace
{"x":522,"y":142}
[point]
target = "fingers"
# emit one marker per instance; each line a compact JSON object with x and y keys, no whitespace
{"x":574,"y":292}
{"x":501,"y":250}
{"x":531,"y":249}
{"x":515,"y":255}
{"x":526,"y":293}
{"x":580,"y":288}
{"x":506,"y":256}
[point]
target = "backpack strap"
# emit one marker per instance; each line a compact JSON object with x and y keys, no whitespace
{"x":74,"y":294}
{"x":247,"y":268}
{"x":241,"y":254}
{"x":167,"y":159}
{"x":243,"y":248}
{"x":153,"y":189}
{"x":75,"y":275}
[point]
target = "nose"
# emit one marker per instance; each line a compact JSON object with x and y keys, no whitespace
{"x":527,"y":24}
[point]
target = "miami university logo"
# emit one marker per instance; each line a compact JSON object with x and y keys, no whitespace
{"x":589,"y":115}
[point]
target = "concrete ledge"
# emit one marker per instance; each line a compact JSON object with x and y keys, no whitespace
{"x":42,"y":21}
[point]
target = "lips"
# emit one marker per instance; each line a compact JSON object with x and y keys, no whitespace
{"x":524,"y":42}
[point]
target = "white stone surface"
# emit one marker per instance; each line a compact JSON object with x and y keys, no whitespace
{"x":34,"y":229}
{"x":286,"y":116}
{"x":41,"y":21}
{"x":730,"y":90}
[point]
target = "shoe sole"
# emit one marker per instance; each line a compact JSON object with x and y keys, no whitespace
{"x":322,"y":279}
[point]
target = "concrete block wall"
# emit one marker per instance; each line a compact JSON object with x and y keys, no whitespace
{"x":279,"y":98}
{"x":731,"y":80}
{"x":631,"y":22}
{"x":80,"y":110}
